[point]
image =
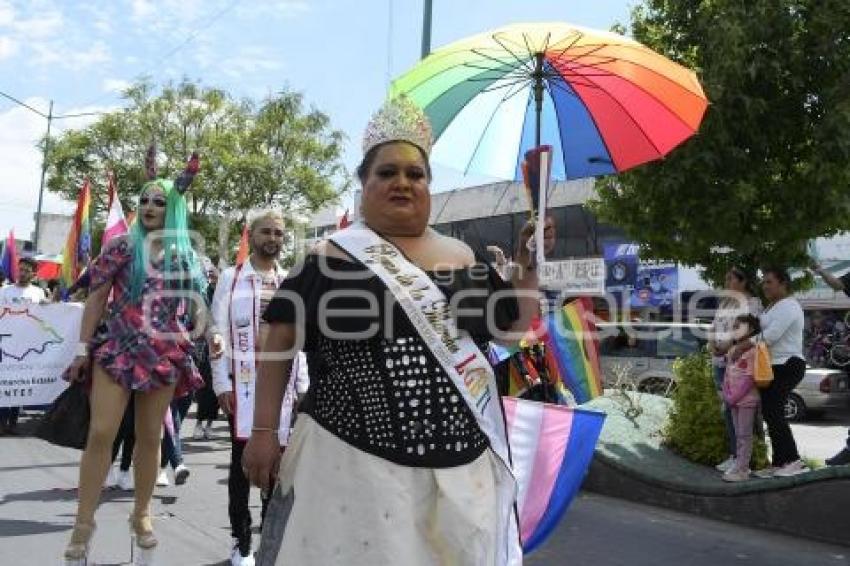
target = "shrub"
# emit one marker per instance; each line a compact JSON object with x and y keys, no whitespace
{"x":696,"y":428}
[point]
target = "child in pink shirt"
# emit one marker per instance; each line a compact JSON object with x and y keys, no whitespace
{"x":740,"y":393}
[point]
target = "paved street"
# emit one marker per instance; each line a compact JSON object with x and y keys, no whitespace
{"x":37,"y":505}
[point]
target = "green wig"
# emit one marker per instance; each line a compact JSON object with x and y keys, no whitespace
{"x":181,"y":267}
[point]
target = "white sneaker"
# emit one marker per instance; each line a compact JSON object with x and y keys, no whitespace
{"x":792,"y":469}
{"x":726,"y":464}
{"x":162,"y":479}
{"x":181,"y":474}
{"x":207,"y":431}
{"x":198,"y":433}
{"x":734,"y":475}
{"x":236,"y":558}
{"x":125,"y":480}
{"x":766,"y":473}
{"x":111,"y":478}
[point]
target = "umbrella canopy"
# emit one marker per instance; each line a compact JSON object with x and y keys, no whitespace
{"x":603,"y":101}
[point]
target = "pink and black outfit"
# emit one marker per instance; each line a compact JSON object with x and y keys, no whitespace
{"x":124,"y":344}
{"x":742,"y":397}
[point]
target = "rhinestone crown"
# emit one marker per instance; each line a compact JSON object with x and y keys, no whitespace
{"x":399,"y":119}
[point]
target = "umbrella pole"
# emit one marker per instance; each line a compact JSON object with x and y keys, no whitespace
{"x":537,"y":75}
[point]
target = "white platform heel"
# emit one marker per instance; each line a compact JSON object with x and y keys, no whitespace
{"x":78,"y":549}
{"x":143,"y":542}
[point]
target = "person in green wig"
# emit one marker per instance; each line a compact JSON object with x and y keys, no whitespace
{"x":146,"y":302}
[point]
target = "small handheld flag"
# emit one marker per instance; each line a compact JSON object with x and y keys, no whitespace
{"x":116,"y":224}
{"x":536,"y":171}
{"x":242,"y":252}
{"x":9,"y":261}
{"x":344,"y":222}
{"x":77,"y":252}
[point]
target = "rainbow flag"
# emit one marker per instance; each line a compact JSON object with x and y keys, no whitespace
{"x":551,"y":449}
{"x":77,"y":252}
{"x":570,"y":339}
{"x":9,"y":260}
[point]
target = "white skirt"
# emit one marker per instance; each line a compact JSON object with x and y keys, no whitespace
{"x":352,"y":508}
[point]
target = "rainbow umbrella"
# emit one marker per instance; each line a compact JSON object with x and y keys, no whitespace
{"x":603,"y":101}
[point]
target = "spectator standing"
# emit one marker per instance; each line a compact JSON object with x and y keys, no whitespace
{"x":737,"y":300}
{"x":839,"y":284}
{"x":741,"y":395}
{"x":782,"y":330}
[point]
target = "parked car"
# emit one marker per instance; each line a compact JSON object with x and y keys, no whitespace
{"x":822,"y":389}
{"x":643,"y":352}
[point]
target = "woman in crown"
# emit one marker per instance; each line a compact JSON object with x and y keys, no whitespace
{"x":140,"y":342}
{"x":399,"y":455}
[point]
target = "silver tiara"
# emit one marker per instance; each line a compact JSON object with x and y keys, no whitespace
{"x":399,"y":119}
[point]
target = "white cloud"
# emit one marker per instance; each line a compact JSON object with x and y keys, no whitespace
{"x":46,"y":25}
{"x":49,"y":53}
{"x":280,"y":8}
{"x":7,"y":13}
{"x":248,"y":61}
{"x":142,"y":9}
{"x":8,"y":47}
{"x":115,"y":85}
{"x":20,"y":161}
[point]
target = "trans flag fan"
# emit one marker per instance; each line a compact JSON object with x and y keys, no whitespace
{"x":551,"y":449}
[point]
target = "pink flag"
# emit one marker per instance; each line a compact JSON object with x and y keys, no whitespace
{"x":116,"y":224}
{"x":344,"y":222}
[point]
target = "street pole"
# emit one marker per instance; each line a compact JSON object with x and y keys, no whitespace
{"x":43,"y":174}
{"x":426,"y":28}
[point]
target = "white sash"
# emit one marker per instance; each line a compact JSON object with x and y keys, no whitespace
{"x":426,"y":306}
{"x":244,"y":317}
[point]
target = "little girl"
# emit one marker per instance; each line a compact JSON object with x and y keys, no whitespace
{"x":740,"y":393}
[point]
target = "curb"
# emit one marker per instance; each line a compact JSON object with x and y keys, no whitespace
{"x":812,"y":505}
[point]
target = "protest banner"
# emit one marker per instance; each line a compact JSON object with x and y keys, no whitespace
{"x":37,"y":343}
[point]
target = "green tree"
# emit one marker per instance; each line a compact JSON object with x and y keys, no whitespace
{"x":267,"y":154}
{"x":768,"y":169}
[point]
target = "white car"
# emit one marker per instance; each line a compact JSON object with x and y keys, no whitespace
{"x":643,"y":352}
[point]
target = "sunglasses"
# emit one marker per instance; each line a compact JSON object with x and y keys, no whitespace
{"x":157,"y":201}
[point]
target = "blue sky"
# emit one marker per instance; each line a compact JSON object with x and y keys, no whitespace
{"x":339,"y":53}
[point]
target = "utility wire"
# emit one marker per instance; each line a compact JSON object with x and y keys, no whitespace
{"x":24,"y":104}
{"x":218,"y":15}
{"x":46,"y":116}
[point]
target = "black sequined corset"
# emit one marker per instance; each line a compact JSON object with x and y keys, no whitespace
{"x":387,"y":394}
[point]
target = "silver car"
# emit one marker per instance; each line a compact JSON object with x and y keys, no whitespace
{"x":822,"y":389}
{"x":642,"y":353}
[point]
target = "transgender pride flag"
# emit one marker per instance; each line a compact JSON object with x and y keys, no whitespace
{"x":116,"y":223}
{"x":551,"y":449}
